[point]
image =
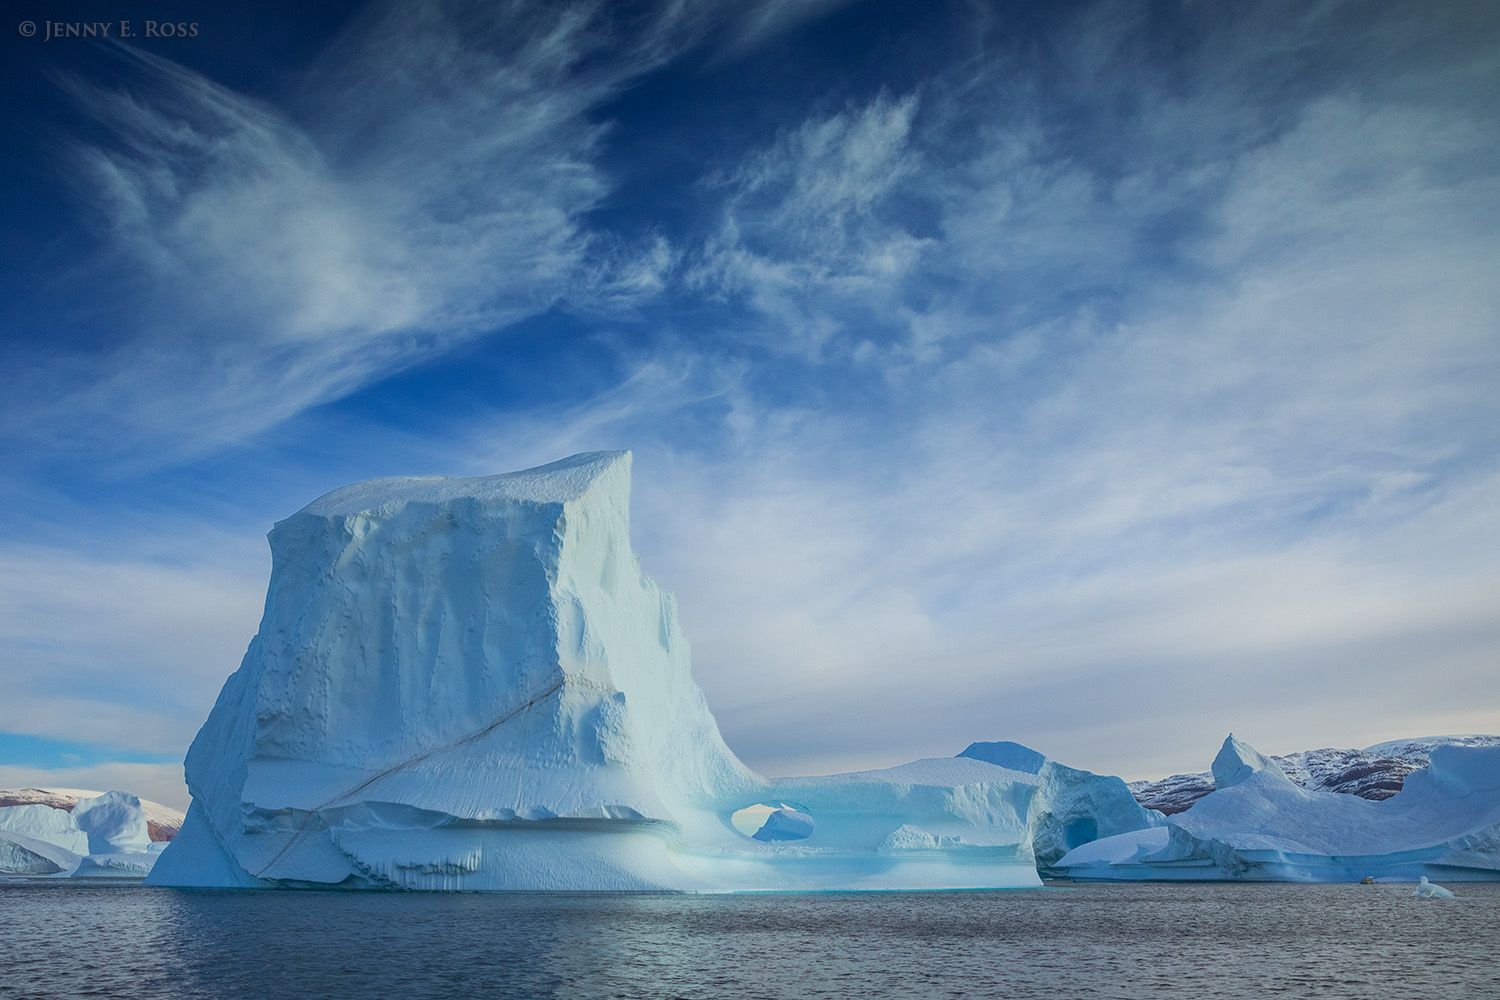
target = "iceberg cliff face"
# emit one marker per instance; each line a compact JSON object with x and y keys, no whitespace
{"x":468,"y":683}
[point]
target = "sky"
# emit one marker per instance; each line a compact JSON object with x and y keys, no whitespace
{"x":1105,"y":377}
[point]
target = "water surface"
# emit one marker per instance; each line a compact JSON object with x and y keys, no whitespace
{"x":1118,"y":941}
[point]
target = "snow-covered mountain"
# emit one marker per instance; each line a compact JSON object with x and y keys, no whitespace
{"x":1376,"y":772}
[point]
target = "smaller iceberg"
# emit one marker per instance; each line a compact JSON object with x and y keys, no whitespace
{"x":1431,"y":890}
{"x":114,"y":822}
{"x":1259,"y":825}
{"x":75,"y":834}
{"x":23,"y":855}
{"x":1072,"y":807}
{"x":46,"y":824}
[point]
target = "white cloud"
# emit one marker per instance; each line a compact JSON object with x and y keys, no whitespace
{"x":1198,"y":430}
{"x":803,"y":239}
{"x":1218,"y":496}
{"x":424,"y":184}
{"x":123,"y":651}
{"x":761,"y":21}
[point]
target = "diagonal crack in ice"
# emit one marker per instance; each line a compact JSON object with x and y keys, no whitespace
{"x":409,"y":762}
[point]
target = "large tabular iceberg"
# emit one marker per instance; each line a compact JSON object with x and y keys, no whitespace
{"x":468,"y":683}
{"x":1258,"y":824}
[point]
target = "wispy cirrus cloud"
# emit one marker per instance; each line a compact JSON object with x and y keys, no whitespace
{"x":285,"y":268}
{"x":426,"y":183}
{"x":803,"y":239}
{"x":1208,"y":409}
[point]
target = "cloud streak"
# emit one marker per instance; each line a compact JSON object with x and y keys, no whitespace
{"x":122,"y":650}
{"x":1210,"y":413}
{"x":427,"y":185}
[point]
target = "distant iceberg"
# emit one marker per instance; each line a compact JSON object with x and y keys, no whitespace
{"x":1072,"y":807}
{"x":1257,"y":824}
{"x":1375,"y":772}
{"x":44,"y":823}
{"x":79,"y":833}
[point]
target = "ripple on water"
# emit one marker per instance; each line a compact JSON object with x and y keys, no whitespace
{"x":1132,"y":941}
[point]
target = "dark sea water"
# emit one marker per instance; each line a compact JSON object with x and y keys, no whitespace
{"x":1142,"y":941}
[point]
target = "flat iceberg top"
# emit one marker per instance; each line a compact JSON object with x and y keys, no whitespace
{"x":556,"y":482}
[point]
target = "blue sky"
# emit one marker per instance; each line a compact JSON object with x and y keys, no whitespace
{"x":1098,"y":376}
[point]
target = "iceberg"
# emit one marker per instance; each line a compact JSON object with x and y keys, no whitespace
{"x":1072,"y":807}
{"x":162,"y":822}
{"x":1237,"y":761}
{"x":1258,"y":824}
{"x":785,"y":823}
{"x":1004,"y":753}
{"x":52,"y":826}
{"x":117,"y":865}
{"x":1431,"y":890}
{"x":114,"y":823}
{"x":23,"y":855}
{"x":468,"y":683}
{"x":1376,"y":772}
{"x":73,"y":833}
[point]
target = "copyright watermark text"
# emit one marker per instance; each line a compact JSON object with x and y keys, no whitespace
{"x":53,"y":31}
